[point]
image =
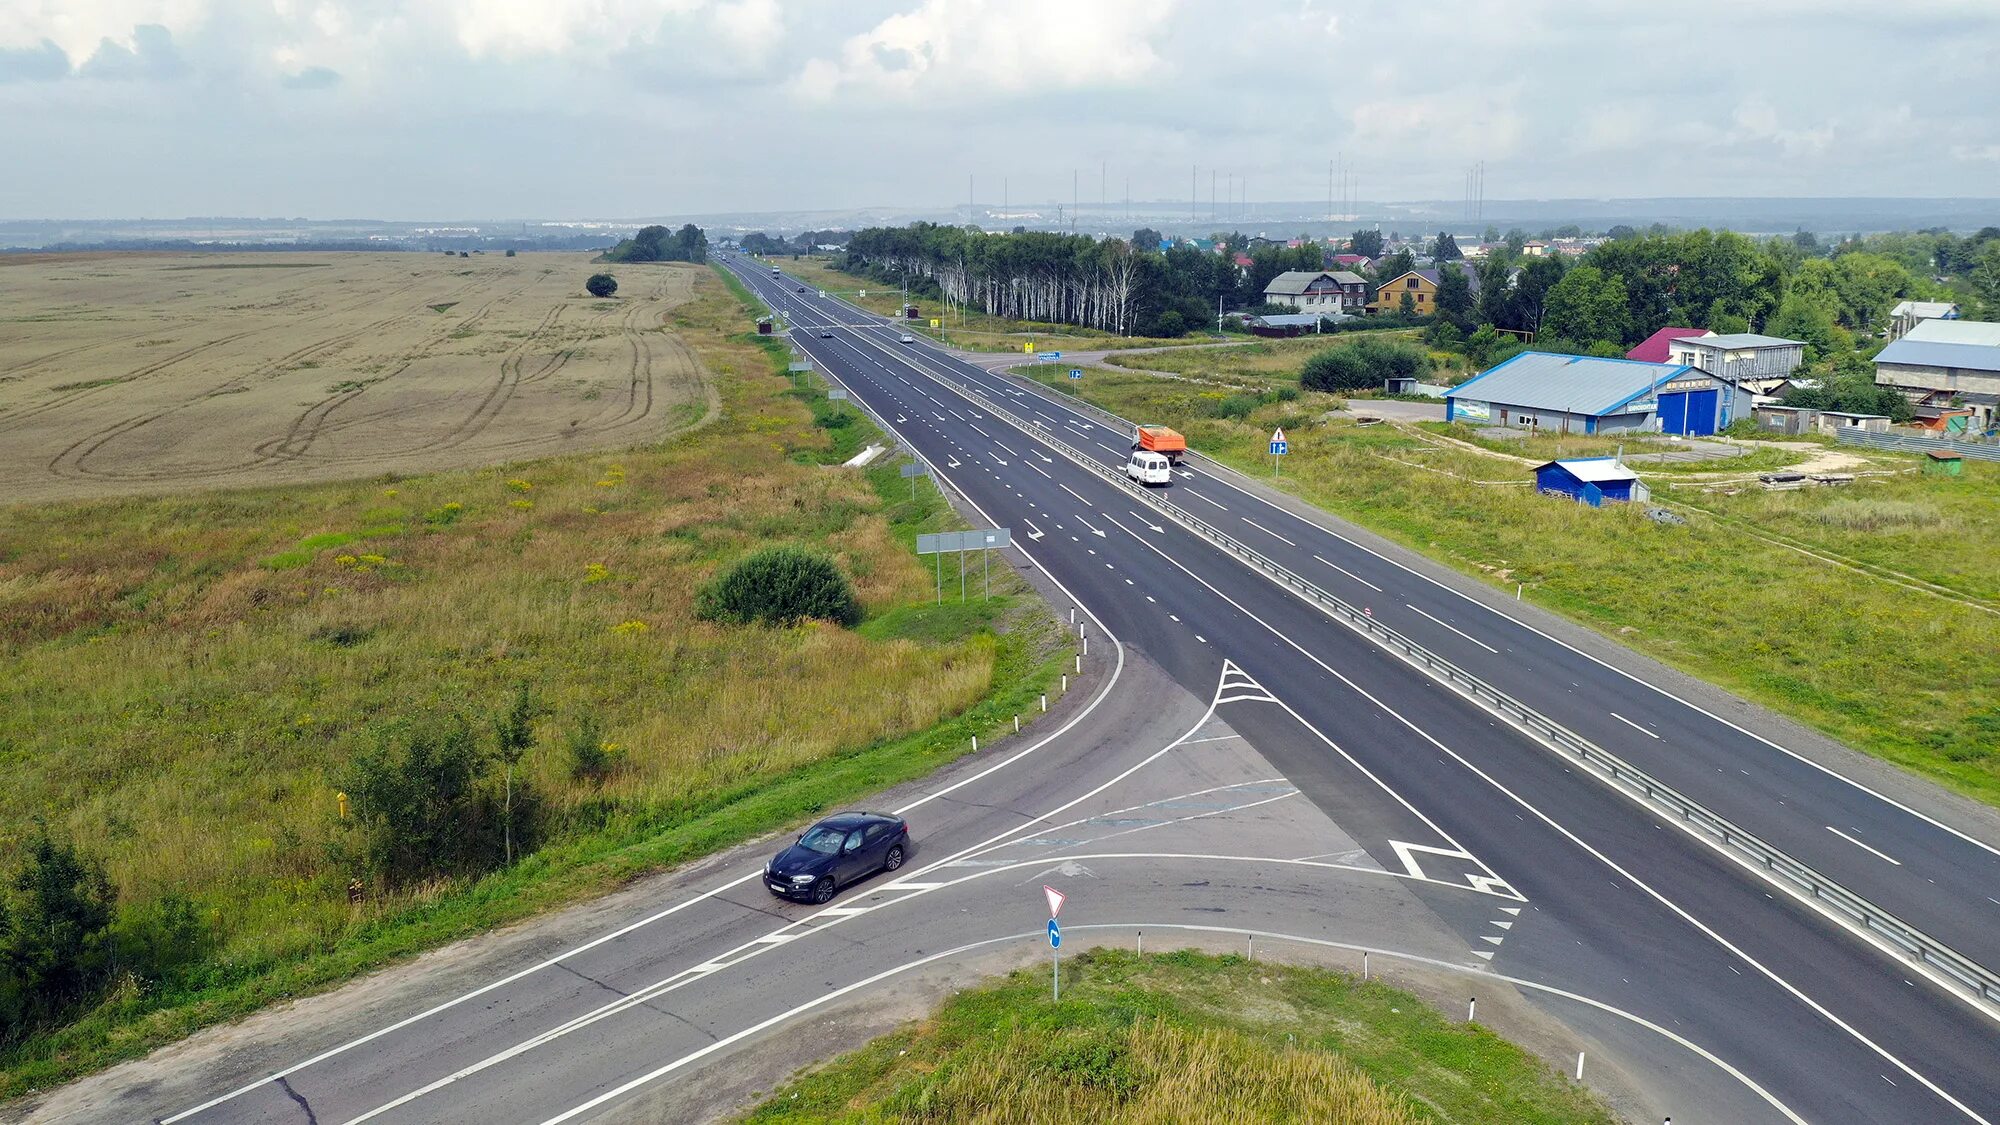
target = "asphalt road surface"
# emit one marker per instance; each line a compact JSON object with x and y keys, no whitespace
{"x":1232,"y":763}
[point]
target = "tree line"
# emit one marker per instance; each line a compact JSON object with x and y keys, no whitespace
{"x":658,"y":244}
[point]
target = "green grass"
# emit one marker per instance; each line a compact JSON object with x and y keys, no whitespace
{"x":1278,"y":360}
{"x":178,"y":704}
{"x":1184,"y":1037}
{"x":311,"y":546}
{"x":1898,"y":674}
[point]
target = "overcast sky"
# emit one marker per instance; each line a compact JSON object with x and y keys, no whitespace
{"x":618,"y":108}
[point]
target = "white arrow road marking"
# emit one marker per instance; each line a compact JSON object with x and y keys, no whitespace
{"x":953,"y":464}
{"x":1093,"y":530}
{"x":1033,"y":531}
{"x":1150,"y":525}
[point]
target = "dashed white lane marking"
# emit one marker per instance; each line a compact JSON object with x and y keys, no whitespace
{"x":1265,"y":530}
{"x":1351,"y":574}
{"x":1633,"y":725}
{"x":1004,"y":445}
{"x":1864,"y":847}
{"x":1072,"y":492}
{"x":1039,"y":469}
{"x":1191,"y":492}
{"x":1460,"y":632}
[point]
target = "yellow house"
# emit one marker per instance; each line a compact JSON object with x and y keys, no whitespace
{"x":1422,"y":287}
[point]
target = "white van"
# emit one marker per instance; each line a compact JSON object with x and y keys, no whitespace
{"x":1148,"y":467}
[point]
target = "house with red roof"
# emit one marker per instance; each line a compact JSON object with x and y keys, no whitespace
{"x":1656,"y":346}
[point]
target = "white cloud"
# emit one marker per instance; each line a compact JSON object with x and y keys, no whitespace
{"x":968,"y":49}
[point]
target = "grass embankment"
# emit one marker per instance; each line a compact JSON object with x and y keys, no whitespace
{"x":185,"y":676}
{"x":969,"y":329}
{"x":1276,"y":361}
{"x":1183,"y":1037}
{"x":1899,"y":674}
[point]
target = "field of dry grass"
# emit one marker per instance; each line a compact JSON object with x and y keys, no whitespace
{"x":151,"y":374}
{"x":186,"y":677}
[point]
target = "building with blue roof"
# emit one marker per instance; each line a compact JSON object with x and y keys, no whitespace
{"x":1593,"y":395}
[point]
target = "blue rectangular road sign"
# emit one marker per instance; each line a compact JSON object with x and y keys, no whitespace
{"x":1055,"y":935}
{"x":1279,"y":448}
{"x":1076,"y":372}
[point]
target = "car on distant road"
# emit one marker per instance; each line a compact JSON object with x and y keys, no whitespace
{"x":842,"y":849}
{"x":802,"y":289}
{"x":909,"y":339}
{"x":826,"y":333}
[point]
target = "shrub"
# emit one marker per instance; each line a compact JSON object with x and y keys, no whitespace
{"x":510,"y":253}
{"x":1363,"y":365}
{"x":52,"y":936}
{"x":780,"y":586}
{"x":589,"y":758}
{"x":419,"y":803}
{"x":601,"y":285}
{"x":1170,"y":323}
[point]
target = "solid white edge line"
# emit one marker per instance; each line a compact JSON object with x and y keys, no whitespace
{"x":1351,"y":574}
{"x":1038,"y":935}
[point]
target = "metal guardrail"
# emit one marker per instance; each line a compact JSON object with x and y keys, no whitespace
{"x":1982,"y":983}
{"x":1917,"y":443}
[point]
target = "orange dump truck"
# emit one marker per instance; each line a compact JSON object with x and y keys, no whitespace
{"x":1160,"y":439}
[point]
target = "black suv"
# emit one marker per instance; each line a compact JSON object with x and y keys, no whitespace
{"x":837,"y":851}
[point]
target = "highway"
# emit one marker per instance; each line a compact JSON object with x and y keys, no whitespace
{"x":1944,"y":881}
{"x":1231,"y":762}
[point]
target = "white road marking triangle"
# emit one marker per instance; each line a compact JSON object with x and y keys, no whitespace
{"x":1482,"y":953}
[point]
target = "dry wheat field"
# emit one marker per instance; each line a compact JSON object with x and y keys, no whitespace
{"x":125,"y":374}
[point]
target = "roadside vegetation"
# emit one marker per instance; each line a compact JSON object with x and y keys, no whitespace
{"x":257,"y":742}
{"x":1184,"y":1037}
{"x":964,"y":328}
{"x":1730,"y":597}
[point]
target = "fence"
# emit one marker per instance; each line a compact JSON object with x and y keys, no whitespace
{"x":1916,"y":443}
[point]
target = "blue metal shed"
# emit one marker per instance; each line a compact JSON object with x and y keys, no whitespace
{"x":1590,"y":480}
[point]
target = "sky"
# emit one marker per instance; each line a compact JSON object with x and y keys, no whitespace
{"x":628,"y":108}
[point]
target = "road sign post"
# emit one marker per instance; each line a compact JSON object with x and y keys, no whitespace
{"x":1279,"y":447}
{"x":1056,"y":899}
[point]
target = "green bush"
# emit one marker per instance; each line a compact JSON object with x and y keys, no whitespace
{"x":780,"y":586}
{"x":420,"y":804}
{"x":589,"y":758}
{"x":54,"y":940}
{"x":601,"y":285}
{"x":1363,"y":365}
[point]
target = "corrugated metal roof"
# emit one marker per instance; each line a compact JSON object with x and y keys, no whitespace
{"x":1931,"y":353}
{"x":1593,"y":470}
{"x":1286,"y":320}
{"x":1925,"y":310}
{"x":1576,"y":384}
{"x":1980,"y":333}
{"x":1738,"y":340}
